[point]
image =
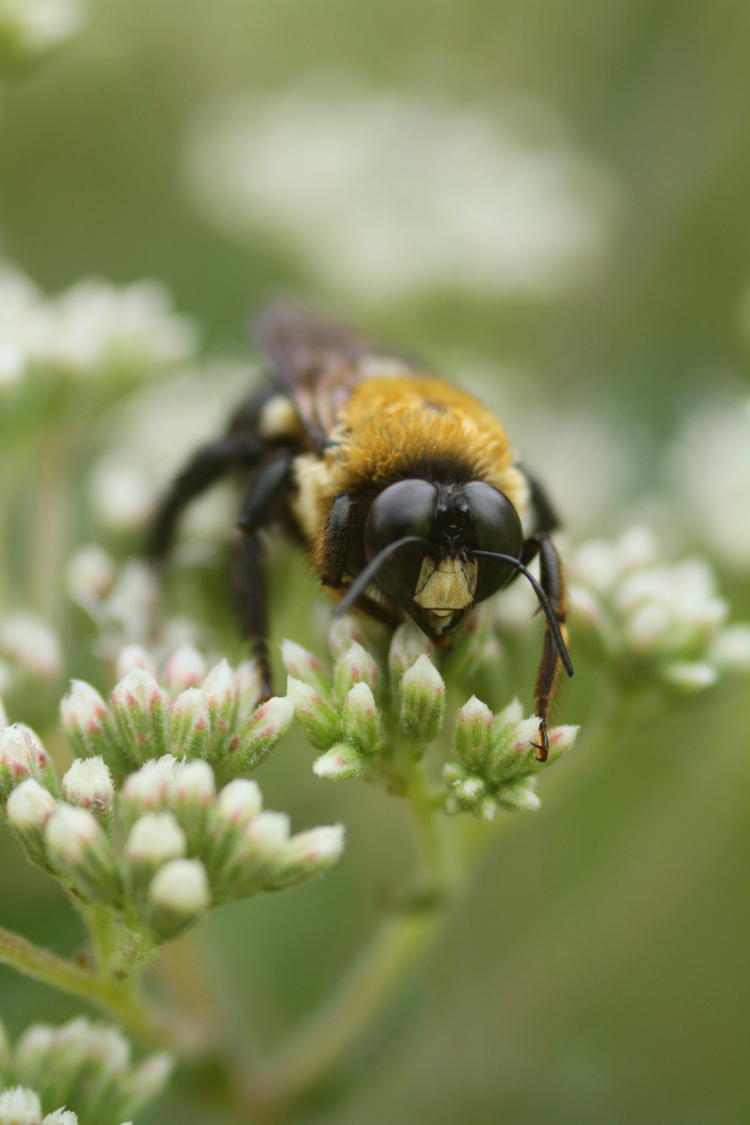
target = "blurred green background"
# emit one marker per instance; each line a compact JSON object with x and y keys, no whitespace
{"x":597,"y":968}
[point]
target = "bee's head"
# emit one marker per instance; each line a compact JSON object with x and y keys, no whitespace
{"x":424,"y":535}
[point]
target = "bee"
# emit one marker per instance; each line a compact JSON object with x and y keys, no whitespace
{"x":404,"y":490}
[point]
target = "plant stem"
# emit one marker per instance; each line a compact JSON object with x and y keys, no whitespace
{"x":119,"y":999}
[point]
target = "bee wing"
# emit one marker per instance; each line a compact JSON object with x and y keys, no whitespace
{"x":317,"y":363}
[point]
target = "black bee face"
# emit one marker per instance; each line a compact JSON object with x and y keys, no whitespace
{"x":434,"y":576}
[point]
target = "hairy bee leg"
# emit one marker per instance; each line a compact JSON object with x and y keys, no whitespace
{"x":553,"y":583}
{"x":249,"y":586}
{"x":335,"y":546}
{"x":206,"y":466}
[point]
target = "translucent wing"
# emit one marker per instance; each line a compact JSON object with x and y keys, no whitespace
{"x":317,"y":363}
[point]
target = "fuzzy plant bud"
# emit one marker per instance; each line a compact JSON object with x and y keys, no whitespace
{"x":315,"y":714}
{"x":78,"y":848}
{"x":152,"y":841}
{"x":473,"y":734}
{"x":221,"y":695}
{"x":239,"y":802}
{"x":178,"y":893}
{"x":148,"y":1080}
{"x":147,"y":789}
{"x":339,"y":763}
{"x":61,"y":1117}
{"x":254,"y":741}
{"x":91,"y":574}
{"x":83,"y":714}
{"x":308,"y":854}
{"x":191,"y":796}
{"x":690,"y":675}
{"x":185,"y":669}
{"x":139,"y":705}
{"x":22,"y":755}
{"x":302,"y":665}
{"x":20,"y":1106}
{"x":190,"y":724}
{"x":343,"y":632}
{"x":255,"y":857}
{"x":134,"y":656}
{"x":520,"y":796}
{"x":354,"y":666}
{"x":422,"y":700}
{"x":361,"y":720}
{"x":29,"y":808}
{"x":88,"y":784}
{"x":249,"y":685}
{"x":407,"y":645}
{"x":31,"y":644}
{"x":730,"y":649}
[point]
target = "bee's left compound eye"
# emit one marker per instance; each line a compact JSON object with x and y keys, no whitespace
{"x":498,"y":528}
{"x":404,"y":508}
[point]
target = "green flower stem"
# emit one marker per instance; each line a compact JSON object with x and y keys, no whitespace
{"x":119,"y":999}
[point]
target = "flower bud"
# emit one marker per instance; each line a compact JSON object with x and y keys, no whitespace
{"x":250,"y":745}
{"x":61,"y":1117}
{"x":154,"y":839}
{"x":308,"y":854}
{"x":192,"y":793}
{"x":239,"y":801}
{"x":190,"y":724}
{"x":31,"y":644}
{"x":29,"y":808}
{"x":422,"y":698}
{"x":147,"y":789}
{"x":360,"y":719}
{"x":473,"y":735}
{"x":339,"y":763}
{"x":520,"y":795}
{"x":184,"y":669}
{"x":90,"y":576}
{"x":730,"y":649}
{"x":255,"y":857}
{"x":560,"y":740}
{"x":148,"y":1080}
{"x":22,"y":755}
{"x":302,"y":665}
{"x":140,"y":709}
{"x":248,"y":682}
{"x":407,"y":645}
{"x":690,"y":676}
{"x":354,"y":666}
{"x":221,"y":695}
{"x":178,"y":892}
{"x":88,"y":784}
{"x":83,"y":714}
{"x":343,"y":632}
{"x":134,"y":656}
{"x":316,"y":716}
{"x":77,"y":847}
{"x":20,"y":1106}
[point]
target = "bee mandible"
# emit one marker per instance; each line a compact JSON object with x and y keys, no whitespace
{"x":404,"y":490}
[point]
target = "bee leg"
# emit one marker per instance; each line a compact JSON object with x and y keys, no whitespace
{"x":206,"y":466}
{"x":249,"y":586}
{"x":546,"y":518}
{"x":553,"y":583}
{"x":334,"y":554}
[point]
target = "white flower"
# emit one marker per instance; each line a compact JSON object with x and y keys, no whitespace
{"x":446,"y":195}
{"x":20,"y":1106}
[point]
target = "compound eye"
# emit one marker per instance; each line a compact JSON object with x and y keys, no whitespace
{"x":404,"y":508}
{"x":498,"y":528}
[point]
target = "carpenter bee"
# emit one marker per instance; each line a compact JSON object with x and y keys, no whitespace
{"x":404,"y":490}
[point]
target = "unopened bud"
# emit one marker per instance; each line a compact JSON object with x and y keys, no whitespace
{"x":407,"y":645}
{"x":191,"y":795}
{"x":520,"y":795}
{"x":354,"y":666}
{"x":147,"y":789}
{"x":77,"y":846}
{"x":343,"y":631}
{"x":83,"y":714}
{"x":91,"y":575}
{"x":140,"y":709}
{"x":473,"y":736}
{"x":31,"y":644}
{"x":361,"y":720}
{"x":29,"y":808}
{"x":190,"y":724}
{"x":250,"y":745}
{"x":730,"y":650}
{"x":339,"y":763}
{"x":302,"y":665}
{"x":248,"y":681}
{"x":184,"y":669}
{"x":308,"y":854}
{"x":61,"y":1117}
{"x":422,"y":694}
{"x":88,"y":784}
{"x":316,"y":716}
{"x":134,"y":656}
{"x":239,"y":801}
{"x":22,"y":755}
{"x":690,"y":676}
{"x":179,"y":892}
{"x":221,"y":695}
{"x":154,"y":839}
{"x":148,"y":1080}
{"x":20,"y":1106}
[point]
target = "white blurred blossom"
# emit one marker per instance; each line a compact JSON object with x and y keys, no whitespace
{"x":30,"y":645}
{"x":31,"y":28}
{"x":91,"y":327}
{"x":710,"y":471}
{"x":390,"y":194}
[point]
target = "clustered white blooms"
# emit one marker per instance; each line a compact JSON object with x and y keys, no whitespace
{"x":82,"y":1065}
{"x":137,"y":823}
{"x":90,"y":330}
{"x":651,"y":619}
{"x":29,"y":29}
{"x":29,"y":649}
{"x":376,"y":713}
{"x":447,"y":195}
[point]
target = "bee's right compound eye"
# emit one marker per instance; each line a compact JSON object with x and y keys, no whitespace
{"x":404,"y":508}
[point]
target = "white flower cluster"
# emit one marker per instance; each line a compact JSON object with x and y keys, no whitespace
{"x":446,"y":195}
{"x":161,"y":848}
{"x":29,"y":649}
{"x":375,"y":715}
{"x":185,"y":708}
{"x":93,"y":328}
{"x":647,"y":616}
{"x":81,"y":1064}
{"x":29,"y":29}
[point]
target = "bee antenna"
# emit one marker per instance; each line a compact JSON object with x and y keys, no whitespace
{"x":552,"y":621}
{"x":363,"y":580}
